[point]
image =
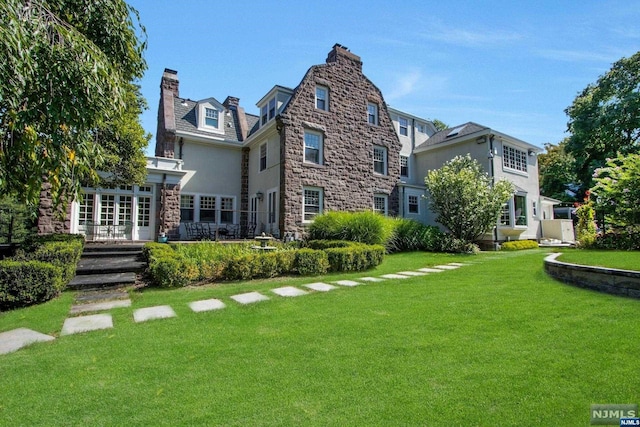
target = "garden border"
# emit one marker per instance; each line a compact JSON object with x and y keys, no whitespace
{"x":602,"y":279}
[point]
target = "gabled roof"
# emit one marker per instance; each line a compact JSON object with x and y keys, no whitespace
{"x":185,"y":112}
{"x":456,"y":133}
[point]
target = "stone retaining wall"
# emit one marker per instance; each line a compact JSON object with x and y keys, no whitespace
{"x":609,"y":280}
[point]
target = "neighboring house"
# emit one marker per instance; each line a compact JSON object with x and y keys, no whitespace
{"x":330,"y":143}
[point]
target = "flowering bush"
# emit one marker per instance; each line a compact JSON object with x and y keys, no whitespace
{"x":617,"y":190}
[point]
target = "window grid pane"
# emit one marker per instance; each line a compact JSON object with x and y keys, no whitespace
{"x":404,"y":124}
{"x":107,"y":214}
{"x":272,"y":108}
{"x":86,"y":209}
{"x":211,"y":117}
{"x":125,"y":204}
{"x":263,"y":157}
{"x":321,"y":98}
{"x":372,"y":113}
{"x":514,"y":159}
{"x":208,"y":208}
{"x":380,"y":204}
{"x":226,"y":210}
{"x":312,"y":148}
{"x":379,"y":160}
{"x":404,"y":166}
{"x":186,"y":207}
{"x":413,"y":204}
{"x":144,"y":211}
{"x":311,"y":204}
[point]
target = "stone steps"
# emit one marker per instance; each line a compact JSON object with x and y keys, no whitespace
{"x":104,"y":265}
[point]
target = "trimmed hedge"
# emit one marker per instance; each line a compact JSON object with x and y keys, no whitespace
{"x":40,"y":270}
{"x":311,"y":262}
{"x":24,"y":283}
{"x":517,"y":245}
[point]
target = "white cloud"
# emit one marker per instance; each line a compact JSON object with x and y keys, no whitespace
{"x":460,"y":36}
{"x":405,"y":84}
{"x":576,"y":55}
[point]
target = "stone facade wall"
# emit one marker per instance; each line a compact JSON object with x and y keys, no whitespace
{"x":168,"y":212}
{"x":50,"y":219}
{"x":609,"y":280}
{"x":346,"y":174}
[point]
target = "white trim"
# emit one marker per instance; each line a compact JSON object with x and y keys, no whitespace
{"x":320,"y":136}
{"x":320,"y":202}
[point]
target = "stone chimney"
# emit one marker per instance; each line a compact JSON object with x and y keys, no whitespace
{"x":233,"y":104}
{"x":231,"y":101}
{"x":341,"y":54}
{"x":166,"y":131}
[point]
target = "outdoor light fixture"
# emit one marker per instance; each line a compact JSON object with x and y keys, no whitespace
{"x":259,"y":195}
{"x":532,"y":152}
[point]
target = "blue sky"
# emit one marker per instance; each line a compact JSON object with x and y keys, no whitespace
{"x":510,"y":65}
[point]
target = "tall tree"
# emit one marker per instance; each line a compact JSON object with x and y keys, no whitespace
{"x":68,"y":70}
{"x":464,"y":199}
{"x":439,"y":124}
{"x":604,"y":119}
{"x":557,"y":172}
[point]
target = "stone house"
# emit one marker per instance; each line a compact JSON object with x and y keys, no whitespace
{"x":330,"y":143}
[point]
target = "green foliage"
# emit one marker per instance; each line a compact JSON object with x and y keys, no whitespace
{"x":439,"y":124}
{"x":325,"y":244}
{"x":448,"y":243}
{"x":67,"y":69}
{"x":62,"y":250}
{"x":24,"y":283}
{"x":586,"y":227}
{"x":15,"y":222}
{"x":364,"y":227}
{"x":617,"y":187}
{"x":557,"y":171}
{"x":461,"y":195}
{"x":604,"y":119}
{"x":310,"y":262}
{"x":411,"y":235}
{"x":626,"y":239}
{"x":517,"y":245}
{"x":357,"y":257}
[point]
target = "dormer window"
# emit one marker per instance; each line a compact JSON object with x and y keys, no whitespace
{"x":263,"y":114}
{"x":211,"y":117}
{"x":272,"y":108}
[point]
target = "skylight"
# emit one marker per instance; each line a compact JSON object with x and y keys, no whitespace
{"x":455,"y":131}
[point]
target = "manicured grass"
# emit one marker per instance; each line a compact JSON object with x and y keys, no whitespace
{"x":626,"y":260}
{"x":492,"y":343}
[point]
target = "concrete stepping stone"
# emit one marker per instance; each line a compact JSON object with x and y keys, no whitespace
{"x":446,"y":267}
{"x":249,"y":297}
{"x":15,"y":339}
{"x":394,"y":276}
{"x":430,"y":270}
{"x":371,"y":279}
{"x":457,"y":264}
{"x":152,"y":313}
{"x":347,"y":283}
{"x":96,"y":296}
{"x":289,"y":291}
{"x":99,"y":306}
{"x":412,"y":273}
{"x":206,"y":305}
{"x":321,"y":287}
{"x":94,"y":322}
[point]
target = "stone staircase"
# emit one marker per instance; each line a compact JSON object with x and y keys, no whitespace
{"x":104,"y":265}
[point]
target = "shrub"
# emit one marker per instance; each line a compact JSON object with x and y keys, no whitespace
{"x":62,"y":250}
{"x":356,"y":257}
{"x":172,"y":272}
{"x":586,"y":228}
{"x":517,"y":245}
{"x":311,"y":262}
{"x":448,"y":243}
{"x":364,"y":227}
{"x":24,"y":283}
{"x":411,"y":235}
{"x":627,"y":239}
{"x":325,"y":244}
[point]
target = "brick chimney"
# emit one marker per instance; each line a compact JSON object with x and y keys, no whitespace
{"x":170,"y":82}
{"x":341,"y":54}
{"x":233,"y":104}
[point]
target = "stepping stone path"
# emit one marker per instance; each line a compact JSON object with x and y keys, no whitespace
{"x":206,"y":305}
{"x":94,"y":322}
{"x":11,"y":341}
{"x":249,"y":297}
{"x":289,"y":291}
{"x":320,"y":287}
{"x":152,"y":313}
{"x":347,"y":283}
{"x":105,"y":300}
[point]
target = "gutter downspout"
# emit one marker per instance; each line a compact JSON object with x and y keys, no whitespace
{"x":493,"y":179}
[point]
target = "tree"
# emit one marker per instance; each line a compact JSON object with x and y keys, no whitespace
{"x":557,"y":172}
{"x":617,"y":190}
{"x":464,"y":199}
{"x":604,"y":119}
{"x":68,"y":68}
{"x":439,"y":124}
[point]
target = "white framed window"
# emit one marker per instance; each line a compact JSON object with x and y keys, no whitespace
{"x":186,"y":207}
{"x":372,"y":113}
{"x":404,"y":166}
{"x":226,"y":210}
{"x":380,"y":202}
{"x":253,"y":211}
{"x":207,"y":208}
{"x":272,"y":108}
{"x":211,"y":117}
{"x":107,"y":209}
{"x":515,"y":159}
{"x":380,"y":160}
{"x":125,"y":207}
{"x":312,"y":147}
{"x":272,"y":207}
{"x":534,"y":209}
{"x":263,"y":156}
{"x":85,"y":210}
{"x":145,"y":189}
{"x":312,"y":203}
{"x":420,"y":128}
{"x":144,"y":211}
{"x":404,"y":126}
{"x":414,"y":205}
{"x":514,"y":212}
{"x":263,"y":114}
{"x":322,"y":98}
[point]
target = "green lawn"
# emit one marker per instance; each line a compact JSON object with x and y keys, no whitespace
{"x":493,"y":343}
{"x":626,"y":260}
